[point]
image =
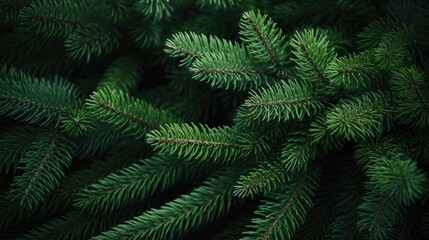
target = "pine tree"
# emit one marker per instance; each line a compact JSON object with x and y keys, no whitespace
{"x":235,"y":119}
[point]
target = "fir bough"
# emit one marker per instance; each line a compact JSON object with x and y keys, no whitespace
{"x":243,"y":119}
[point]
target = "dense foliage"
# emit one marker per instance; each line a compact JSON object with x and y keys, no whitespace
{"x":220,"y":119}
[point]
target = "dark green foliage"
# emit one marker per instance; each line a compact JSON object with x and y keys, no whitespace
{"x":214,"y":119}
{"x":203,"y":205}
{"x":130,"y":115}
{"x":44,"y":164}
{"x":197,"y":142}
{"x":284,"y":210}
{"x":92,"y":41}
{"x":133,"y":183}
{"x":264,"y":40}
{"x":35,"y":100}
{"x":13,"y":145}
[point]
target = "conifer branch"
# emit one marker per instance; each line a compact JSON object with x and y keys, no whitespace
{"x":132,"y":116}
{"x":197,"y":142}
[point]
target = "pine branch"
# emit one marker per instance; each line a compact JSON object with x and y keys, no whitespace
{"x":190,"y":46}
{"x":132,"y":116}
{"x":280,"y":102}
{"x":76,"y":121}
{"x":230,"y":70}
{"x":411,"y":91}
{"x":361,"y":117}
{"x":124,"y":73}
{"x":197,"y":142}
{"x":53,"y":18}
{"x":378,"y":213}
{"x":298,"y":151}
{"x":33,"y":100}
{"x":284,"y":211}
{"x":155,"y":10}
{"x":313,"y":53}
{"x":265,"y":178}
{"x":73,"y":225}
{"x":13,"y":145}
{"x":44,"y":162}
{"x":134,"y":183}
{"x":354,"y":72}
{"x":218,"y":4}
{"x":264,"y":40}
{"x":188,"y":212}
{"x":93,"y":40}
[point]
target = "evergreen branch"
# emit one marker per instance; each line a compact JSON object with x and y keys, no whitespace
{"x":188,"y":212}
{"x":313,"y":53}
{"x":320,"y":134}
{"x":34,"y":100}
{"x":73,"y":225}
{"x":366,"y":152}
{"x":76,"y":121}
{"x":264,"y":40}
{"x":411,"y":96}
{"x":133,"y":184}
{"x":298,"y":150}
{"x":281,"y":214}
{"x":280,"y":102}
{"x":91,"y":41}
{"x":101,"y":138}
{"x":378,"y":213}
{"x":44,"y":164}
{"x":229,"y":70}
{"x":13,"y":145}
{"x":219,"y":4}
{"x":353,"y":72}
{"x":361,"y":117}
{"x":191,"y":46}
{"x":197,"y":142}
{"x":398,"y":178}
{"x":13,"y":215}
{"x":124,"y":73}
{"x":154,"y":9}
{"x":265,"y":178}
{"x":132,"y":116}
{"x":53,"y":18}
{"x":9,"y":11}
{"x":117,"y":11}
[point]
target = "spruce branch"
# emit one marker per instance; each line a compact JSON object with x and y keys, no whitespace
{"x":284,"y":211}
{"x":361,"y":117}
{"x":133,"y":184}
{"x":298,"y":151}
{"x":280,"y":102}
{"x":124,"y":73}
{"x":190,"y":46}
{"x":197,"y":142}
{"x":13,"y":145}
{"x":354,"y":72}
{"x":265,"y":178}
{"x":411,"y":90}
{"x":130,"y":115}
{"x":218,"y":4}
{"x":93,"y":40}
{"x":53,"y":18}
{"x":33,"y":100}
{"x":378,"y":213}
{"x":154,"y":10}
{"x":230,"y":70}
{"x":264,"y":40}
{"x":313,"y":53}
{"x":44,"y":162}
{"x":186,"y":213}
